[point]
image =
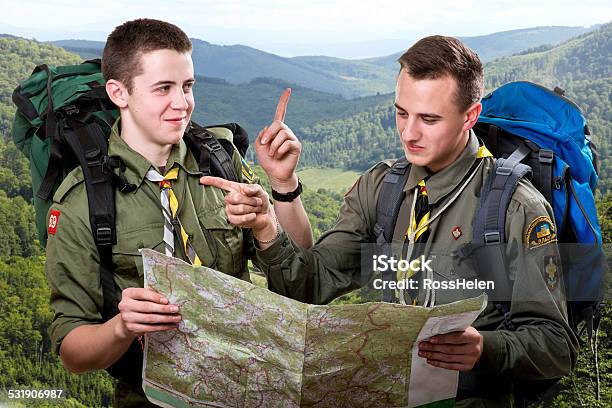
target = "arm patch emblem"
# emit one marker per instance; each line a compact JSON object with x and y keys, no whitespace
{"x":551,"y":271}
{"x":541,"y":231}
{"x":53,"y":221}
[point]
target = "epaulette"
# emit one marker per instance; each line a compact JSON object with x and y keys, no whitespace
{"x":387,"y":162}
{"x":73,"y":179}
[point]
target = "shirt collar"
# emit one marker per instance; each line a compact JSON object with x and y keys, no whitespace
{"x":137,"y":166}
{"x":443,"y":182}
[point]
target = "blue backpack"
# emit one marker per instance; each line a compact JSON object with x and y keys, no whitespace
{"x":528,"y":124}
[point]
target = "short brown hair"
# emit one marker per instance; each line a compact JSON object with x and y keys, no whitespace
{"x":129,"y":41}
{"x":436,"y":56}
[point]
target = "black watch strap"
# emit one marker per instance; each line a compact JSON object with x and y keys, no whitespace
{"x":290,"y":196}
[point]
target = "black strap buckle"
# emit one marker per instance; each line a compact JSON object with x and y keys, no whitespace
{"x":214,"y":148}
{"x":104,"y":235}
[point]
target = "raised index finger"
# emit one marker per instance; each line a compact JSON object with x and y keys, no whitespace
{"x":281,"y":108}
{"x":221,"y":183}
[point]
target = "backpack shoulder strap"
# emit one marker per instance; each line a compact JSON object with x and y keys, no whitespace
{"x":490,"y":220}
{"x":390,"y":199}
{"x":213,"y":158}
{"x":239,"y":136}
{"x":90,"y":146}
{"x":387,"y":209}
{"x":489,"y":227}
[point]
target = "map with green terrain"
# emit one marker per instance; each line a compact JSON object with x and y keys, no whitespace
{"x":239,"y":345}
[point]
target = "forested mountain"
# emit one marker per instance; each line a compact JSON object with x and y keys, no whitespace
{"x":217,"y":101}
{"x":253,"y":104}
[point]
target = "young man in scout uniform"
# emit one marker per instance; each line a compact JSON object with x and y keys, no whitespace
{"x":149,"y":76}
{"x":437,"y":103}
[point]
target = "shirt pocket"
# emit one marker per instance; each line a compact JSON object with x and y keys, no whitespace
{"x":126,"y":255}
{"x":225,"y":242}
{"x":458,"y":278}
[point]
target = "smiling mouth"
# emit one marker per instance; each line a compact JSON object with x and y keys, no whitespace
{"x":176,"y":119}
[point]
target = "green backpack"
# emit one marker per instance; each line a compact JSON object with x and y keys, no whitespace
{"x":45,"y":102}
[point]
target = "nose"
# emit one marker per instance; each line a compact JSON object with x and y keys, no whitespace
{"x":410,"y":131}
{"x":180,"y":100}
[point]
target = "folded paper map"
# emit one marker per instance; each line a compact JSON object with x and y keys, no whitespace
{"x":239,"y":345}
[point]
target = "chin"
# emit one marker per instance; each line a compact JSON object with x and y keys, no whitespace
{"x":416,"y":160}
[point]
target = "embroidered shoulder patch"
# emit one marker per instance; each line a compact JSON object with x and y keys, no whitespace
{"x":551,"y":271}
{"x":53,"y":220}
{"x":247,"y":172}
{"x":540,"y":232}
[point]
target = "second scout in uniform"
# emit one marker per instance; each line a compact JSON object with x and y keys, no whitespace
{"x":437,"y":102}
{"x":149,"y":76}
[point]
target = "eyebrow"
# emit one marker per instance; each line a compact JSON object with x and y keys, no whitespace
{"x":426,"y":115}
{"x":159,"y":83}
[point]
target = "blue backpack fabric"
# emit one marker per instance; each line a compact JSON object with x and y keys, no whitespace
{"x":555,"y":123}
{"x":551,"y":132}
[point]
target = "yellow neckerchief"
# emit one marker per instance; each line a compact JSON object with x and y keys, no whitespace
{"x":172,"y":174}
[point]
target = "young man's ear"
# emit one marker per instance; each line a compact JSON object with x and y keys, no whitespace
{"x":471,"y":115}
{"x":117,"y":92}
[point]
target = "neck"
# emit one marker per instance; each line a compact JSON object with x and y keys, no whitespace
{"x":155,"y":153}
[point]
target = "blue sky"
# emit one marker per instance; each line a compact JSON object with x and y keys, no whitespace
{"x":298,"y":27}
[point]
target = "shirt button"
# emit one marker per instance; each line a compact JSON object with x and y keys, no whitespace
{"x":284,"y":244}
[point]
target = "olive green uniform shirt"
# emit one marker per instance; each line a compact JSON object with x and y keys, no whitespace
{"x":541,"y":347}
{"x":73,"y":264}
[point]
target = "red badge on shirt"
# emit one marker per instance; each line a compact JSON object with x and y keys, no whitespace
{"x":456,"y":232}
{"x":53,"y":220}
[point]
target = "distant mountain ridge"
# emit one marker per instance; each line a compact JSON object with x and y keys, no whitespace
{"x":349,"y":78}
{"x":506,"y":43}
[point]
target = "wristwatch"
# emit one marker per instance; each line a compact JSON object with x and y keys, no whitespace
{"x":290,"y":196}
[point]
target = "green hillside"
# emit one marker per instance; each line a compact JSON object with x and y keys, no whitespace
{"x":253,"y":104}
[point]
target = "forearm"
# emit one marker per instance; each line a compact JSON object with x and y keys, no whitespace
{"x":292,"y":216}
{"x":95,"y":346}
